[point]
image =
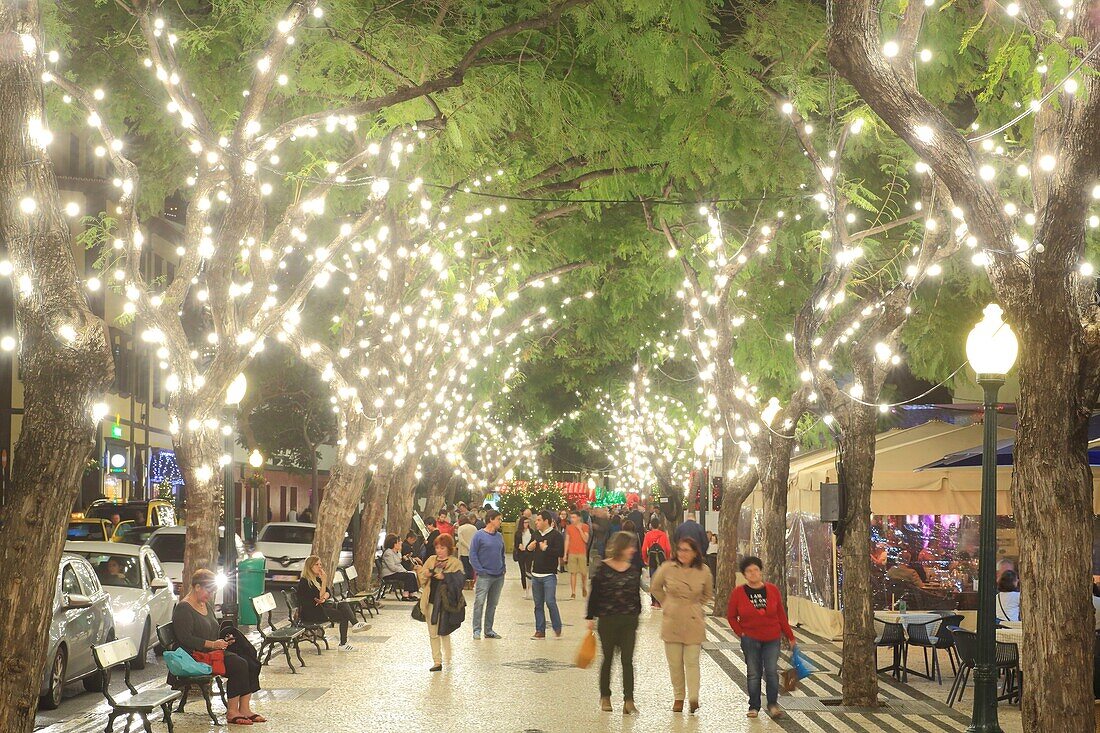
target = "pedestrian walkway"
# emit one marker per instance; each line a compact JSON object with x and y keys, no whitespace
{"x":519,"y":685}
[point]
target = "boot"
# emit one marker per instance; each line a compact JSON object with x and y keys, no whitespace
{"x":605,"y":704}
{"x":677,"y":706}
{"x":629,"y":708}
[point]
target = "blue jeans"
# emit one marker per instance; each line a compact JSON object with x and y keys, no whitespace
{"x":544,"y":590}
{"x":761,"y":657}
{"x":487,"y":588}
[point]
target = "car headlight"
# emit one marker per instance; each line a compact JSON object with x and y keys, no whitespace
{"x":125,"y":617}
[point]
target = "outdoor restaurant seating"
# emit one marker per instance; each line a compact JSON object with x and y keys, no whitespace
{"x":892,"y":636}
{"x":933,"y":635}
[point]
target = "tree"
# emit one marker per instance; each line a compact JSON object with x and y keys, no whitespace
{"x":64,"y":360}
{"x":1038,"y":280}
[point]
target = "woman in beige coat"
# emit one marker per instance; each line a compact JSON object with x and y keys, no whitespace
{"x":683,"y":586}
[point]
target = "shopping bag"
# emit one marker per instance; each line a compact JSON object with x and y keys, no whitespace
{"x":587,"y":651}
{"x":216,"y":660}
{"x":801,"y":664}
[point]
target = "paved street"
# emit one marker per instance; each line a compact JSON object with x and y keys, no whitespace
{"x":518,"y":685}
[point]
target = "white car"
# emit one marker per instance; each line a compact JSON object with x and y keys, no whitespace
{"x":169,"y":542}
{"x":141,"y":593}
{"x":286,"y":545}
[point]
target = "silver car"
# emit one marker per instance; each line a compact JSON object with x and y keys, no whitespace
{"x":81,"y":618}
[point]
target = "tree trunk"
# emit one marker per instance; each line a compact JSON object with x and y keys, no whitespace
{"x":1052,"y":496}
{"x":59,"y":380}
{"x":197,"y":452}
{"x":374,"y":507}
{"x":858,"y":662}
{"x":342,"y":494}
{"x":399,"y":499}
{"x":735,"y":489}
{"x":773,"y":485}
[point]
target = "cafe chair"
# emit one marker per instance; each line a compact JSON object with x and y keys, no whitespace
{"x":934,"y":636}
{"x":892,"y":636}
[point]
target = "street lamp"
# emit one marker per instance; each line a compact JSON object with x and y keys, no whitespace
{"x":255,"y":458}
{"x":991,"y":349}
{"x":233,"y":396}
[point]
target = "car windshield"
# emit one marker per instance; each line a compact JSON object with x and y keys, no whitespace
{"x":290,"y":534}
{"x":119,"y":571}
{"x":122,"y":511}
{"x":85,"y":531}
{"x":169,"y":547}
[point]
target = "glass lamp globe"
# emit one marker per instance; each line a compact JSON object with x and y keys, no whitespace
{"x":235,"y":393}
{"x":991,"y":347}
{"x":255,"y":459}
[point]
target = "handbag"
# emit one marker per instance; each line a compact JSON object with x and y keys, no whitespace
{"x":586,"y":652}
{"x":182,"y":664}
{"x":215,"y":659}
{"x":418,"y":613}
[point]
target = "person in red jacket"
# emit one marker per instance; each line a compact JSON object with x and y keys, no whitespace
{"x":656,"y":549}
{"x":757,"y":616}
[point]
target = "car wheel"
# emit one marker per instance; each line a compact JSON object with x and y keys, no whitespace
{"x":55,"y":685}
{"x":143,"y":649}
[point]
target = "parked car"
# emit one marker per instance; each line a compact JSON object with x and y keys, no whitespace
{"x":141,"y":594}
{"x":143,"y":513}
{"x":168,"y":543}
{"x":286,"y":545}
{"x":89,"y":530}
{"x":81,"y":618}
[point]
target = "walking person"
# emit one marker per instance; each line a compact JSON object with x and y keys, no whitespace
{"x":613,"y":610}
{"x":441,"y":599}
{"x":684,"y":586}
{"x":487,"y":557}
{"x":464,"y":533}
{"x":576,"y":554}
{"x":521,"y":554}
{"x":656,"y":550}
{"x":315,"y":604}
{"x":690,"y":528}
{"x":599,"y":532}
{"x":547,"y":547}
{"x":756,"y":615}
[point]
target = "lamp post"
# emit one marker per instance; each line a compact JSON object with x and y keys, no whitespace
{"x":233,"y":396}
{"x":991,"y":349}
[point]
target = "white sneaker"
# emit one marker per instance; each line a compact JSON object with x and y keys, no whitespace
{"x":360,"y":626}
{"x":346,"y":648}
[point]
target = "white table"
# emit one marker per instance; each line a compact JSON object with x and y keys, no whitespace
{"x":915,"y":617}
{"x":1012,"y":624}
{"x":1011,"y":636}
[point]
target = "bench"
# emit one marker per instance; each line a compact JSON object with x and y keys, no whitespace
{"x":167,"y":637}
{"x":363,"y":595}
{"x":314,"y":632}
{"x":120,"y":653}
{"x":342,"y":593}
{"x":284,"y":636}
{"x":385,"y":586}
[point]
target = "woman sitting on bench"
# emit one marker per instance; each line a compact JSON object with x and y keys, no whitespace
{"x":197,"y":630}
{"x":394,"y":572}
{"x":315,"y":604}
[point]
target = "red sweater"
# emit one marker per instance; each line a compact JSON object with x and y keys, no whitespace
{"x":656,"y":537}
{"x":762,"y":625}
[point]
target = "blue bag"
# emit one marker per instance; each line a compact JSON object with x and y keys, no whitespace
{"x":801,"y":664}
{"x":182,"y":664}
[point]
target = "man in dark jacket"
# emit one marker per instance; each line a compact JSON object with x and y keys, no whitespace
{"x":690,"y":528}
{"x":547,"y":546}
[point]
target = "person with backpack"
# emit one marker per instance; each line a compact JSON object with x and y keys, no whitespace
{"x":656,"y":549}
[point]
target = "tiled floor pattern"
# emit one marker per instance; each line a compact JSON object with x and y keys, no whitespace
{"x":519,"y":685}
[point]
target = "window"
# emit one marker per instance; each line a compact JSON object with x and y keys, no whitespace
{"x":115,"y":571}
{"x":291,"y":534}
{"x":169,"y":547}
{"x":150,"y":571}
{"x":69,"y":583}
{"x":88,"y":580}
{"x":122,"y":350}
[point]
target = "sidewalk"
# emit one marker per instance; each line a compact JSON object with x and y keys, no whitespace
{"x":519,"y":685}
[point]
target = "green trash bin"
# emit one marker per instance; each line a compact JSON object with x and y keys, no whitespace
{"x":250,"y":579}
{"x":249,"y":528}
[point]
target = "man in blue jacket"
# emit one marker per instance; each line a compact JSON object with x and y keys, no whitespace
{"x":487,"y":557}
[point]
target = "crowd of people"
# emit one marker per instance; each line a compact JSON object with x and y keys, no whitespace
{"x":604,"y":553}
